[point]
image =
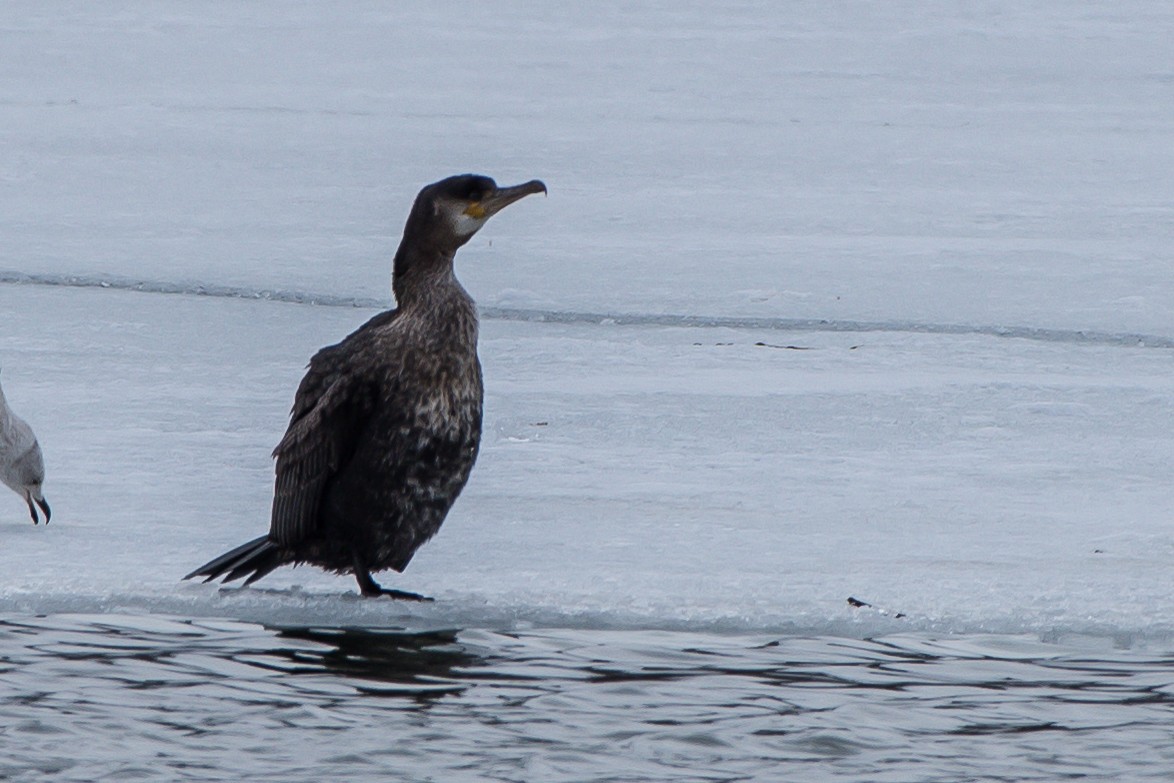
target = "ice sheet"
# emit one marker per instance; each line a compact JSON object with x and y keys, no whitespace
{"x":934,"y":176}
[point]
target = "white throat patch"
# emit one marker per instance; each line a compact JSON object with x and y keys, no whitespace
{"x":466,"y":225}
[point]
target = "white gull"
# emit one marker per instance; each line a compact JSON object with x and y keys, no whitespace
{"x":22,"y":467}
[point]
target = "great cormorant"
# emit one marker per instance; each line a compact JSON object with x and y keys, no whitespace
{"x":386,"y":424}
{"x":22,"y":468}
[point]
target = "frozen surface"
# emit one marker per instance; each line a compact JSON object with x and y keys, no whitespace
{"x":1007,"y":163}
{"x":1005,"y":168}
{"x":629,"y":476}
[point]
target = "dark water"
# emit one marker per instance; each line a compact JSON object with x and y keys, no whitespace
{"x":112,"y":697}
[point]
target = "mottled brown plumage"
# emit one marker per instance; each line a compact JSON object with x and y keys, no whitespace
{"x":386,"y":424}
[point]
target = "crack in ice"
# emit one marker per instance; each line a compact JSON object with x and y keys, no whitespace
{"x":1041,"y":334}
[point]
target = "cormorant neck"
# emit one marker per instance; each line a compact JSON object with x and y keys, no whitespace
{"x":420,"y":272}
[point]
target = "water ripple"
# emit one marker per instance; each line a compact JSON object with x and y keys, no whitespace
{"x":154,"y":698}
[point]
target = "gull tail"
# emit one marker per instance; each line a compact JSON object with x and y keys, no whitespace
{"x":254,"y":559}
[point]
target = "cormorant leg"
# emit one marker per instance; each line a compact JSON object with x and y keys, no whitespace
{"x":372,"y":589}
{"x":367,"y":586}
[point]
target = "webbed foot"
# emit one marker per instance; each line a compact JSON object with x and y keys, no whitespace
{"x":372,"y":589}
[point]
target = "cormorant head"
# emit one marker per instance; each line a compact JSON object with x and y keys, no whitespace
{"x":448,"y":213}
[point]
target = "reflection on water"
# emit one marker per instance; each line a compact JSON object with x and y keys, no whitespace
{"x":410,"y":664}
{"x":147,"y":698}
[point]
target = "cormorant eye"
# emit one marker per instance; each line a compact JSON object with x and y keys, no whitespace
{"x":476,"y":188}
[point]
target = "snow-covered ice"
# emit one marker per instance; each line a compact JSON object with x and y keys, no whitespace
{"x":927,"y":176}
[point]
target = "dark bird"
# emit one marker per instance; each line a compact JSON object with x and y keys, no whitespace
{"x":386,"y":424}
{"x":22,"y":468}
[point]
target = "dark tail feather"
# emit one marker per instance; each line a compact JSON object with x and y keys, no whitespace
{"x":256,"y":558}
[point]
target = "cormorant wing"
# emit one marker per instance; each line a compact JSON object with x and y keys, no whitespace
{"x":327,"y":365}
{"x":315,"y":447}
{"x":332,"y":403}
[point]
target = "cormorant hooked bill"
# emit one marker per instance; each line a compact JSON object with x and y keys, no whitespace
{"x":386,"y":424}
{"x":22,"y":467}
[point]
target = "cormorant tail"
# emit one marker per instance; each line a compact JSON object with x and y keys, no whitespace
{"x":256,"y":558}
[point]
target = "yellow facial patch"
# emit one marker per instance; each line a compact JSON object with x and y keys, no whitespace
{"x":475,"y":210}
